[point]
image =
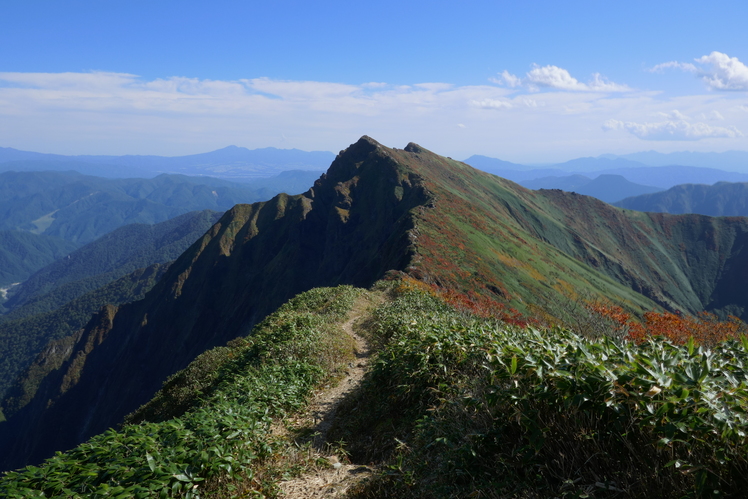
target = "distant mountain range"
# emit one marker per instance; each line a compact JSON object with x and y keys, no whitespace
{"x":232,"y":162}
{"x":735,"y":161}
{"x":634,"y":176}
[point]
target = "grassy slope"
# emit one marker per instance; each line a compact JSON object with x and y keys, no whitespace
{"x":210,"y":423}
{"x":486,"y":234}
{"x":461,"y":406}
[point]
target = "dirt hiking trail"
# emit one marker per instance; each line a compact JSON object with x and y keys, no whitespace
{"x":335,"y":480}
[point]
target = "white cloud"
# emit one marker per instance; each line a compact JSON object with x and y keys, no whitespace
{"x":558,"y":78}
{"x":727,"y":73}
{"x":510,"y":80}
{"x":672,"y":130}
{"x":553,"y":77}
{"x":673,"y":115}
{"x":492,"y":104}
{"x":460,"y":125}
{"x":685,"y":66}
{"x":719,"y":71}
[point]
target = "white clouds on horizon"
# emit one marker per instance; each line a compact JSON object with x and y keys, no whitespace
{"x":678,"y":129}
{"x":560,"y":79}
{"x":722,"y":72}
{"x":119,"y":112}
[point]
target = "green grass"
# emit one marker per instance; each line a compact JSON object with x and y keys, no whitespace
{"x":209,"y":425}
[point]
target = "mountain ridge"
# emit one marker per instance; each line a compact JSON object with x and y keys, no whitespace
{"x":377,"y":210}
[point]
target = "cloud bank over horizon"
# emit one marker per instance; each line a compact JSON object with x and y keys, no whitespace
{"x":546,"y":115}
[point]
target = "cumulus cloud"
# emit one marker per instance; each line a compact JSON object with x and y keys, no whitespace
{"x":672,"y":130}
{"x":727,"y":73}
{"x":558,"y":78}
{"x":719,"y":71}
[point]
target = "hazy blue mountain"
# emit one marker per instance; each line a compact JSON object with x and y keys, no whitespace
{"x":290,"y":182}
{"x":493,"y":165}
{"x":98,"y":170}
{"x":637,"y":172}
{"x":669,"y":176}
{"x":729,"y":160}
{"x":720,"y":199}
{"x":22,"y":254}
{"x":606,"y":187}
{"x":588,"y":165}
{"x":231,"y":162}
{"x":611,"y":188}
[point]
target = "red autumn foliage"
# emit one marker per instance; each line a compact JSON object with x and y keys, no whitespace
{"x":470,"y":302}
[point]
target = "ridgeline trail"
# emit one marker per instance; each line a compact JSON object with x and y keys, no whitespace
{"x":334,"y":480}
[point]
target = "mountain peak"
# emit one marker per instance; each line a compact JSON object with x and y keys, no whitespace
{"x":414,"y":148}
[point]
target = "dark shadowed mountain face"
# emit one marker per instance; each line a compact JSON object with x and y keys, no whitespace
{"x":723,"y":199}
{"x":51,"y":303}
{"x":378,"y":209}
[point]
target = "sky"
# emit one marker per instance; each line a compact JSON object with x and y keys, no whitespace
{"x":530,"y":82}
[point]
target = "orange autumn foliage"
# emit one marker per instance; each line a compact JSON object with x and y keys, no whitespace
{"x":705,"y":328}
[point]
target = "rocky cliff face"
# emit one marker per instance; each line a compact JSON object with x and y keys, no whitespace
{"x":378,"y":209}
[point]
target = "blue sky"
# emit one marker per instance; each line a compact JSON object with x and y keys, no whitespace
{"x":524,"y":81}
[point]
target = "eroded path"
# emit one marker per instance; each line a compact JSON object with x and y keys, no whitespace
{"x":334,"y":480}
